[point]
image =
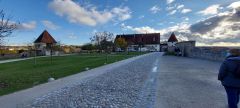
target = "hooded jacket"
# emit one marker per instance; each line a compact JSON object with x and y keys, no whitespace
{"x":226,"y":72}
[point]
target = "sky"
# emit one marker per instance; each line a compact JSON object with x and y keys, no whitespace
{"x":73,"y":22}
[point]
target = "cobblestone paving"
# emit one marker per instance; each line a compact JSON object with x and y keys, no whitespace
{"x":131,"y":85}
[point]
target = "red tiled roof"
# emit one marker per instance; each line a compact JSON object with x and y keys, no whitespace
{"x":151,"y":38}
{"x":172,"y":38}
{"x":45,"y":37}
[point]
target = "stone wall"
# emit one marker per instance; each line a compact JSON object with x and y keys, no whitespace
{"x":210,"y":53}
{"x":189,"y":49}
{"x":186,"y":47}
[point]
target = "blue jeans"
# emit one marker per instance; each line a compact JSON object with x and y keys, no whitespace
{"x":233,"y":96}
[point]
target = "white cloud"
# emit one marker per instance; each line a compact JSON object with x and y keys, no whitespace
{"x":122,"y":13}
{"x":186,"y":11}
{"x":24,"y":26}
{"x":177,"y":8}
{"x":155,"y":9}
{"x":144,"y":29}
{"x":50,"y":25}
{"x":221,"y":29}
{"x":172,"y":12}
{"x":186,"y":18}
{"x":220,"y":44}
{"x":170,"y":1}
{"x":27,"y":25}
{"x":211,"y":10}
{"x":100,"y":17}
{"x":180,"y":6}
{"x":182,"y":27}
{"x":72,"y":36}
{"x":235,"y":5}
{"x":75,"y":13}
{"x":169,"y":8}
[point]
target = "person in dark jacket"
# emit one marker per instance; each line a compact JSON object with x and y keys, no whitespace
{"x":230,"y":82}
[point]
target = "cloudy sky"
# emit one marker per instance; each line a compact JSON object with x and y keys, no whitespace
{"x":73,"y":22}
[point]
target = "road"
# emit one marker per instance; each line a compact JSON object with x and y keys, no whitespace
{"x":189,"y":83}
{"x":20,"y":59}
{"x":147,"y":81}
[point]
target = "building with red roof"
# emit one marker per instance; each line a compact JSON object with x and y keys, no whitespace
{"x":172,"y":41}
{"x":172,"y":38}
{"x":142,"y":42}
{"x":44,"y":43}
{"x":45,"y":37}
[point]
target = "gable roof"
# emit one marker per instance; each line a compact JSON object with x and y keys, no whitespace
{"x":45,"y":37}
{"x":172,"y":38}
{"x":150,"y":38}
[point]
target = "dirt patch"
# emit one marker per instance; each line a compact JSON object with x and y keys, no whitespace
{"x":3,"y":85}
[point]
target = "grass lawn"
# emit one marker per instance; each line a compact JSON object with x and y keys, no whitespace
{"x":20,"y":75}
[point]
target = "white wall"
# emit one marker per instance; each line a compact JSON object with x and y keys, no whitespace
{"x":170,"y":44}
{"x":148,"y":47}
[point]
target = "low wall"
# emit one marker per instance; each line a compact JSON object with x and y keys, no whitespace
{"x":210,"y":53}
{"x":189,"y":49}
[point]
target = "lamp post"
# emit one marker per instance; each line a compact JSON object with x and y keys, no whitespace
{"x":35,"y":54}
{"x":51,"y":52}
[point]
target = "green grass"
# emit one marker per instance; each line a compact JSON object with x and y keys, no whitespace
{"x":25,"y":74}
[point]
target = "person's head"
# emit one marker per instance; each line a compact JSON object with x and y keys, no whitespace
{"x":234,"y":52}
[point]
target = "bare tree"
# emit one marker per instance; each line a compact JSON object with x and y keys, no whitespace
{"x":6,"y":26}
{"x":103,"y":40}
